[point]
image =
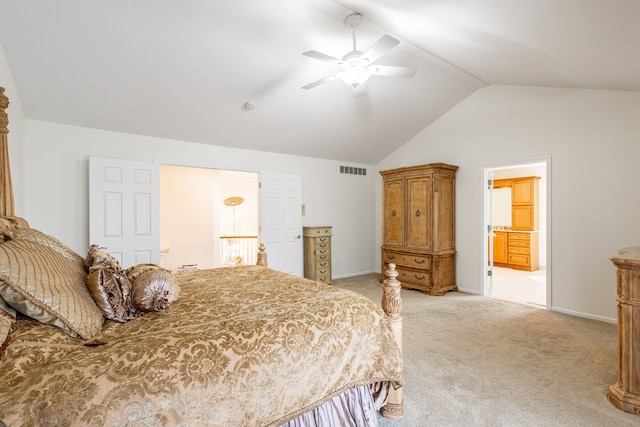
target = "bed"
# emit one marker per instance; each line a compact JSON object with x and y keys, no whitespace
{"x":233,"y":346}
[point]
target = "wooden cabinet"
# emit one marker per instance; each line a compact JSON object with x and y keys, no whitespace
{"x":317,"y":253}
{"x":625,"y":393}
{"x":516,"y":249}
{"x":419,"y":226}
{"x":524,"y":201}
{"x":500,"y":247}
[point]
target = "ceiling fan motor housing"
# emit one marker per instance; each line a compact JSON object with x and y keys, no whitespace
{"x":353,"y":20}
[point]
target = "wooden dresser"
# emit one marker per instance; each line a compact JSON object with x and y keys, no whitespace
{"x":419,"y":226}
{"x":317,"y":253}
{"x":625,"y":393}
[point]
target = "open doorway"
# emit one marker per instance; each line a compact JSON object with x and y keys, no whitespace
{"x":517,"y":222}
{"x":208,"y":217}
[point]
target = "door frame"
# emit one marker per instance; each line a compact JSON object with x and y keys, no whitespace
{"x":486,"y":221}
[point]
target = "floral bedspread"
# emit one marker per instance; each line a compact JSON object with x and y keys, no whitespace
{"x":242,"y":346}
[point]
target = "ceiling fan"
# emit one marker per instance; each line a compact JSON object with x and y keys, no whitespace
{"x":358,"y":66}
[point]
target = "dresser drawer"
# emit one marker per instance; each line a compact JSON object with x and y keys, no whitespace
{"x":407,"y":260}
{"x":317,"y":231}
{"x":323,"y":257}
{"x":320,"y":252}
{"x":326,"y":244}
{"x":323,"y":263}
{"x":519,"y":250}
{"x":323,"y":275}
{"x":517,"y":259}
{"x":407,"y":276}
{"x":519,"y":236}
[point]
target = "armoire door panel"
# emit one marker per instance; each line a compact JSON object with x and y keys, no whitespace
{"x":446,"y":235}
{"x":394,"y":212}
{"x":419,"y":225}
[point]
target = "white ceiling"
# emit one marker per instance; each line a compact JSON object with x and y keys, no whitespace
{"x":183,"y":69}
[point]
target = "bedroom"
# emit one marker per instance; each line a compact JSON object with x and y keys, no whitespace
{"x":590,"y":134}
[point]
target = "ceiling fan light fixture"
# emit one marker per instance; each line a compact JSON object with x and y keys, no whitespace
{"x":355,"y":69}
{"x":354,"y":76}
{"x":358,"y":66}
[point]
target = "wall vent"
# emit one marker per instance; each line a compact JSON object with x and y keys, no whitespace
{"x":353,"y":171}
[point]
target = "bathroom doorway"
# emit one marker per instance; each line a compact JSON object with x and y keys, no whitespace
{"x":517,"y":261}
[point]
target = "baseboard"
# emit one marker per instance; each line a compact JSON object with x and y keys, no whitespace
{"x":469,"y":291}
{"x":559,"y":310}
{"x":585,"y":315}
{"x":346,"y":276}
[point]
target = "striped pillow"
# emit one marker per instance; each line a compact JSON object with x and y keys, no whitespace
{"x":44,"y":284}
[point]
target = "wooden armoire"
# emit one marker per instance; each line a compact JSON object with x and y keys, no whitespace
{"x":418,"y":233}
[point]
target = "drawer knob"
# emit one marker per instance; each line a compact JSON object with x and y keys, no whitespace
{"x":418,"y":212}
{"x":393,"y":213}
{"x":418,"y":261}
{"x":420,"y":277}
{"x":391,"y":256}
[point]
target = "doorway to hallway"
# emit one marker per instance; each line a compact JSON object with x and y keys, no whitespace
{"x":517,"y":257}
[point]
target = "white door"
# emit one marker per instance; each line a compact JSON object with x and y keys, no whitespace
{"x":124,"y":209}
{"x":281,"y":221}
{"x":488,"y":291}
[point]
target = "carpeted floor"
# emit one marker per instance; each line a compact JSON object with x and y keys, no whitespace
{"x":476,"y":361}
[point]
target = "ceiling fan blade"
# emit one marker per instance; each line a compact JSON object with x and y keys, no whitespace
{"x":392,"y":71}
{"x":322,"y":56}
{"x":319,"y":82}
{"x":359,"y":90}
{"x":378,"y":49}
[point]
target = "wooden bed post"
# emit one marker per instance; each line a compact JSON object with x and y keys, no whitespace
{"x":262,"y":256}
{"x":392,"y":306}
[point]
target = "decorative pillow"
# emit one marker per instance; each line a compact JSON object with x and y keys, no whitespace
{"x":37,"y":236}
{"x":45,"y":285}
{"x":153,"y":287}
{"x":109,"y":286}
{"x":9,"y":225}
{"x":7,"y":318}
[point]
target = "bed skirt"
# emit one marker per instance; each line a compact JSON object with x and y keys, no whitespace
{"x":355,"y":407}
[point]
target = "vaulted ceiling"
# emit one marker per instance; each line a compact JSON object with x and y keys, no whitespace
{"x":185,"y":69}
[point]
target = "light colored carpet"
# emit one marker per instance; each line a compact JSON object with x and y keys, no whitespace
{"x":476,"y":361}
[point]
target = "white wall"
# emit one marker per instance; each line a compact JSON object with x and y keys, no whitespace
{"x":57,"y":203}
{"x":16,"y":136}
{"x":593,"y":139}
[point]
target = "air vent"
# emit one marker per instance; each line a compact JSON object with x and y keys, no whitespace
{"x":353,"y":171}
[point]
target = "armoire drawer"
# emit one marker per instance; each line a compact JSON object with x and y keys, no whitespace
{"x":407,"y":276}
{"x":407,"y":260}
